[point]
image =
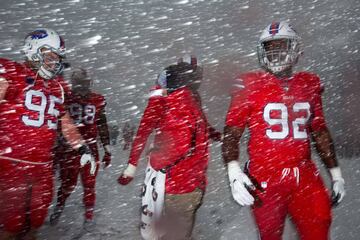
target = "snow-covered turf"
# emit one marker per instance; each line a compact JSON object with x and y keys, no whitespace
{"x":220,"y":218}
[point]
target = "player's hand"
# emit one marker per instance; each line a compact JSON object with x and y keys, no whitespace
{"x":338,"y":186}
{"x":107,"y":156}
{"x":338,"y":192}
{"x":215,"y":135}
{"x":106,"y":159}
{"x":127,"y":175}
{"x":239,"y":182}
{"x":86,"y":158}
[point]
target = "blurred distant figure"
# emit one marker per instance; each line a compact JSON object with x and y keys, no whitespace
{"x":87,"y":109}
{"x":114,"y":132}
{"x":128,"y":135}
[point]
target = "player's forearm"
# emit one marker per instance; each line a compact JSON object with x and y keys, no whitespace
{"x":71,"y":133}
{"x":152,"y":115}
{"x":3,"y":87}
{"x":325,"y":147}
{"x":147,"y":125}
{"x":230,"y":146}
{"x":104,"y":136}
{"x":103,"y":130}
{"x":139,"y":143}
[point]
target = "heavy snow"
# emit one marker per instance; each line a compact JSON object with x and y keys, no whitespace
{"x":124,"y":44}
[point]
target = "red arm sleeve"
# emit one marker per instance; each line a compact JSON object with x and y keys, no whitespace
{"x":8,"y":74}
{"x":148,"y":123}
{"x":239,"y":109}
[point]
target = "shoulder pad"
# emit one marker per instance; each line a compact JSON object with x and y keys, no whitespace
{"x":243,"y":81}
{"x":308,"y":75}
{"x":312,"y":79}
{"x":99,"y":97}
{"x":7,"y":66}
{"x":96,"y":95}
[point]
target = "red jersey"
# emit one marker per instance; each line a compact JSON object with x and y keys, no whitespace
{"x":85,"y":112}
{"x":280,"y":116}
{"x":29,"y":113}
{"x":181,"y":139}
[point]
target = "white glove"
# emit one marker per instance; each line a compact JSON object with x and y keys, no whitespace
{"x":338,"y":185}
{"x":86,"y":158}
{"x":130,"y":170}
{"x":238,"y":182}
{"x":128,"y":175}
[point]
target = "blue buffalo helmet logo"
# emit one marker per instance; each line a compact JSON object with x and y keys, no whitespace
{"x":274,"y":28}
{"x":38,"y":34}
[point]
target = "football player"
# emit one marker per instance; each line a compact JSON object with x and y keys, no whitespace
{"x":283,"y":112}
{"x":31,"y":103}
{"x":87,"y":110}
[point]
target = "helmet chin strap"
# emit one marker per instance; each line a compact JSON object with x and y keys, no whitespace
{"x":46,"y":74}
{"x":40,"y":70}
{"x":279,"y":70}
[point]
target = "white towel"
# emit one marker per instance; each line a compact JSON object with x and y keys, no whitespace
{"x":153,"y":194}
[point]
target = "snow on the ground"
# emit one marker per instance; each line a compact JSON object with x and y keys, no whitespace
{"x":219,"y":218}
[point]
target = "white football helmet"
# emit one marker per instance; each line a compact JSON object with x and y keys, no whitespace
{"x":278,"y":60}
{"x":44,"y":39}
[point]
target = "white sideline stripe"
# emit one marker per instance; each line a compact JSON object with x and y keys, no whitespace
{"x":23,"y":161}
